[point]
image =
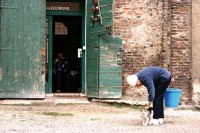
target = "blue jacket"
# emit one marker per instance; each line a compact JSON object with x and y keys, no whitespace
{"x":61,"y":65}
{"x":150,"y":77}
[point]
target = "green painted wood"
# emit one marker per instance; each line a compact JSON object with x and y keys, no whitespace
{"x":63,"y":13}
{"x":22,"y":62}
{"x":83,"y":85}
{"x":64,"y":0}
{"x":50,"y":56}
{"x":96,"y":28}
{"x":92,"y":71}
{"x":110,"y":71}
{"x":103,"y":77}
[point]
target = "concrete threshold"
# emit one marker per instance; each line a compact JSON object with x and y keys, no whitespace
{"x":50,"y":100}
{"x":66,"y":94}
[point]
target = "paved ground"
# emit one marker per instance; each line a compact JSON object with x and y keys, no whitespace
{"x":91,"y":117}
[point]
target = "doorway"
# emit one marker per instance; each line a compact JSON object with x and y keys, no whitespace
{"x":66,"y":38}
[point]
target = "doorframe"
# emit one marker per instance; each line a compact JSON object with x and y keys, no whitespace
{"x":49,"y":15}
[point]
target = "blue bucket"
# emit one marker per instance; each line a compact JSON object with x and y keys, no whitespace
{"x":172,"y":97}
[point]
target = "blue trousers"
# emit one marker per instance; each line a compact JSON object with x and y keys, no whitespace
{"x":158,"y":100}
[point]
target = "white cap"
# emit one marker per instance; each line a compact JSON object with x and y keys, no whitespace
{"x":132,"y":80}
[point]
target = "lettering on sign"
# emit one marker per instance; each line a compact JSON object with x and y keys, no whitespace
{"x":57,"y":8}
{"x":64,"y":6}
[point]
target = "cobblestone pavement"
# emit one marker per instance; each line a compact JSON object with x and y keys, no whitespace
{"x":91,"y":118}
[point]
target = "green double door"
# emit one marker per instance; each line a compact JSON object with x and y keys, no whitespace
{"x":23,"y":55}
{"x":22,"y":40}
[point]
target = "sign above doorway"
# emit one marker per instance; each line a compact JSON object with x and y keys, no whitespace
{"x":66,"y":6}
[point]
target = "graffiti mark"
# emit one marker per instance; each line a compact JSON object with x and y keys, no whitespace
{"x":42,"y":52}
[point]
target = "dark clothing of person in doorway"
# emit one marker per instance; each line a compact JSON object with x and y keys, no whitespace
{"x":60,"y":70}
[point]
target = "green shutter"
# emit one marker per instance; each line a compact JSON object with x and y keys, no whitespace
{"x":103,"y":77}
{"x":22,"y":30}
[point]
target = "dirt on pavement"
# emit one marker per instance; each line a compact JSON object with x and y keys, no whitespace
{"x":92,"y":118}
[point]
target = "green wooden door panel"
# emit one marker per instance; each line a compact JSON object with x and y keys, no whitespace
{"x":110,"y":82}
{"x":109,"y":92}
{"x":103,"y":77}
{"x":92,"y":71}
{"x":106,"y":11}
{"x":110,"y":79}
{"x":11,"y":65}
{"x":22,"y":27}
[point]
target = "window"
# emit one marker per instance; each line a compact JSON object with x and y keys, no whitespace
{"x":61,"y":28}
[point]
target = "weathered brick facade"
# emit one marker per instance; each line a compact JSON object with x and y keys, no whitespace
{"x":181,"y":47}
{"x":155,"y":33}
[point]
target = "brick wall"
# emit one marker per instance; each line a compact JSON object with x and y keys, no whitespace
{"x":181,"y":47}
{"x":166,"y":35}
{"x":156,"y":33}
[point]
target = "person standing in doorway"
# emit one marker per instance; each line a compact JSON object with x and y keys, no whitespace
{"x":156,"y":80}
{"x":60,"y":71}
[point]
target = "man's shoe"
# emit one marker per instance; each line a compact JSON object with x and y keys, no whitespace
{"x":154,"y":122}
{"x":160,"y":120}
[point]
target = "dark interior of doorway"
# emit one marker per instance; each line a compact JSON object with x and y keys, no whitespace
{"x":67,"y":39}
